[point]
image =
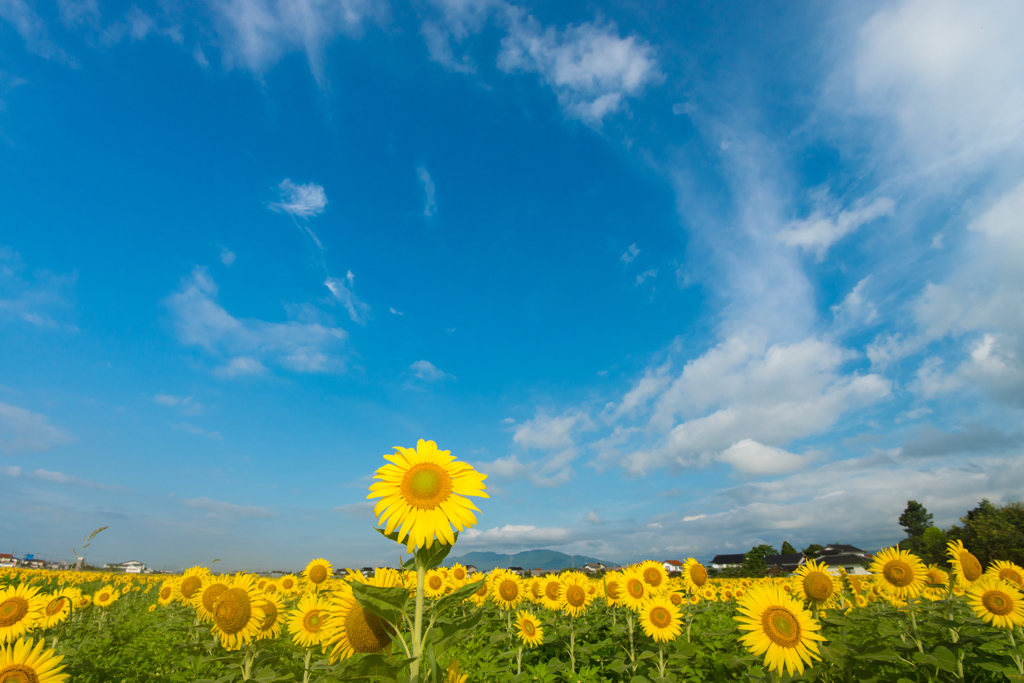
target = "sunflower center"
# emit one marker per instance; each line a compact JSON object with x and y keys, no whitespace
{"x":435,"y":582}
{"x":104,"y":596}
{"x":576,"y":596}
{"x":270,"y":609}
{"x":312,"y":621}
{"x":13,"y":610}
{"x":552,"y":590}
{"x":653,"y":577}
{"x":935,"y":579}
{"x":508,"y":590}
{"x":270,"y":588}
{"x":190,"y":585}
{"x":997,"y":602}
{"x":365,"y":631}
{"x":318,"y":574}
{"x":818,"y":586}
{"x":528,"y":628}
{"x":287,"y":584}
{"x":232,"y":611}
{"x":612,"y":590}
{"x":676,"y":598}
{"x":781,"y":626}
{"x":970,"y":566}
{"x":211,"y":594}
{"x":165,"y":592}
{"x":699,"y":575}
{"x":482,"y":590}
{"x":660,"y":617}
{"x":425,"y":486}
{"x":1008,"y":574}
{"x":55,"y":606}
{"x":18,"y":673}
{"x":635,"y":588}
{"x":459,"y":574}
{"x":898,"y":573}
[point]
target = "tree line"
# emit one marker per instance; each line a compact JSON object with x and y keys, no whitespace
{"x":990,"y":532}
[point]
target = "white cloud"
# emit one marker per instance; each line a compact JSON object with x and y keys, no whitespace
{"x":171,"y":401}
{"x":227,"y":257}
{"x":753,"y":458}
{"x":248,"y":344}
{"x":426,"y":370}
{"x":55,"y":478}
{"x":198,"y":431}
{"x":593,"y":518}
{"x":301,"y":200}
{"x":549,"y":433}
{"x":828,"y":224}
{"x":23,"y":430}
{"x":855,"y":310}
{"x":220,"y":509}
{"x":429,"y":191}
{"x":358,"y":510}
{"x":590,"y":67}
{"x":358,"y":310}
{"x":515,"y":535}
{"x":39,"y":300}
{"x":393,"y":311}
{"x":457,"y":20}
{"x":33,"y":30}
{"x":630,"y":254}
{"x":653,"y":272}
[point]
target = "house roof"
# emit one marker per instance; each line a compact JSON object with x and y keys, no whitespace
{"x":674,"y":563}
{"x":783,"y":559}
{"x":728,"y":559}
{"x":838,"y":548}
{"x":842,"y":559}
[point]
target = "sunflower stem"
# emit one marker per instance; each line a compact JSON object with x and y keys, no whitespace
{"x":305,"y":665}
{"x":417,"y":624}
{"x":913,"y":625}
{"x":1017,"y":659}
{"x":519,"y":661}
{"x":572,"y":644}
{"x":632,"y":651}
{"x":661,"y":659}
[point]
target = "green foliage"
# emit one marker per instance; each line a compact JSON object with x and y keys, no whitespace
{"x":788,"y":549}
{"x":753,"y":561}
{"x":812,"y":550}
{"x":993,"y":532}
{"x":915,"y":519}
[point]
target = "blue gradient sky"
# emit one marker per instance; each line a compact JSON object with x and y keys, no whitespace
{"x":682,"y":279}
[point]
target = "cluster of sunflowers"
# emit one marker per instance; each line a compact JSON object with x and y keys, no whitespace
{"x":350,"y":616}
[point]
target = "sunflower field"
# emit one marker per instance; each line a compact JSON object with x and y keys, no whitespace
{"x":426,"y":623}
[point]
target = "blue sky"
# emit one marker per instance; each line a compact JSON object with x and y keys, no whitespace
{"x":682,"y":279}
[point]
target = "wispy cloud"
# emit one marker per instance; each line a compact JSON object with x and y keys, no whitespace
{"x":357,"y":309}
{"x":630,"y":254}
{"x":227,"y":257}
{"x":829,"y":224}
{"x":429,"y":191}
{"x":218,"y":508}
{"x":33,"y":30}
{"x":245,"y":345}
{"x":40,"y":300}
{"x":426,"y":370}
{"x":190,"y":428}
{"x":304,"y":201}
{"x":56,"y":478}
{"x":24,"y":430}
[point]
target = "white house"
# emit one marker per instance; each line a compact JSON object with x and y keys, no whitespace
{"x":672,"y":566}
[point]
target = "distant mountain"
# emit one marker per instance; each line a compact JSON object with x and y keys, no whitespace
{"x":528,"y":559}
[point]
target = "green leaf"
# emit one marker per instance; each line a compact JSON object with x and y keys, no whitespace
{"x":372,"y":666}
{"x":434,"y":555}
{"x":386,"y":603}
{"x":457,"y":596}
{"x":946,"y":659}
{"x":879,"y":653}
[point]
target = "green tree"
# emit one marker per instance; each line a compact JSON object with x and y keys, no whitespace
{"x":992,"y":533}
{"x":753,"y":561}
{"x":931,"y":547}
{"x":788,"y":549}
{"x":812,"y":549}
{"x":915,"y":519}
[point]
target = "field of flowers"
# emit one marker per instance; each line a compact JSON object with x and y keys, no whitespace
{"x":423,"y":622}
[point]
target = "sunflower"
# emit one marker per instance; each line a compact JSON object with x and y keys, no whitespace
{"x":677,"y":598}
{"x":694,"y":575}
{"x":352,"y":630}
{"x":528,"y":629}
{"x":272,"y":588}
{"x":534,"y":588}
{"x":21,"y":609}
{"x":1007,"y":571}
{"x":459,"y":572}
{"x":551,"y":593}
{"x":191,"y":582}
{"x":83,"y":602}
{"x":317,"y":572}
{"x":454,"y":674}
{"x":166,"y":592}
{"x":694,"y":599}
{"x":507,"y":590}
{"x":105,"y":596}
{"x":435,"y":585}
{"x":575,"y":596}
{"x":815,"y":585}
{"x":422,"y":494}
{"x":966,"y":567}
{"x":58,"y":606}
{"x":204,"y":601}
{"x":21,"y":661}
{"x":937,"y":577}
{"x":779,"y":627}
{"x":289,"y":583}
{"x":237,"y":614}
{"x":636,"y":590}
{"x":273,"y":610}
{"x":709,"y":594}
{"x":613,"y":590}
{"x":901,"y":574}
{"x":659,"y":619}
{"x":653,"y":574}
{"x":996,"y":601}
{"x":307,"y":619}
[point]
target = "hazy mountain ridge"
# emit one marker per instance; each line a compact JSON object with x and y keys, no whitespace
{"x":527,"y":559}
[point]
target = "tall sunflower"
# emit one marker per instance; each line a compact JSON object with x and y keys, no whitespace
{"x":435,"y":584}
{"x":551,"y":593}
{"x":273,"y":610}
{"x":289,"y":583}
{"x":966,"y":567}
{"x":20,"y":661}
{"x":636,"y":590}
{"x":575,"y":596}
{"x":191,"y":583}
{"x":613,"y":590}
{"x":422,"y":494}
{"x":899,"y":574}
{"x":205,"y":600}
{"x":237,"y":614}
{"x":459,"y":573}
{"x":1007,"y":571}
{"x":21,"y":609}
{"x":352,"y":630}
{"x":528,"y":629}
{"x":105,"y":596}
{"x":937,"y":577}
{"x":779,"y":628}
{"x":165,"y":595}
{"x":659,"y":618}
{"x":815,"y":585}
{"x":58,"y":606}
{"x":306,"y":621}
{"x":480,"y":596}
{"x":507,"y":590}
{"x":694,"y":575}
{"x":317,"y":572}
{"x":996,"y":601}
{"x":654,"y":575}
